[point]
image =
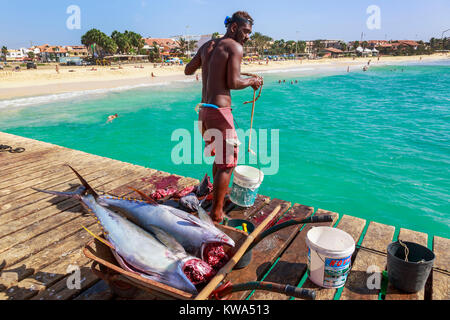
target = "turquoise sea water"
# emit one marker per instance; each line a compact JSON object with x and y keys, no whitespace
{"x":374,"y":144}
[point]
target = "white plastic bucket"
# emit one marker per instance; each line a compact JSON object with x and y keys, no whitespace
{"x":246,"y":182}
{"x":329,"y":256}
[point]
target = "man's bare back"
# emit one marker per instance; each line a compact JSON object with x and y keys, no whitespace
{"x":220,"y":60}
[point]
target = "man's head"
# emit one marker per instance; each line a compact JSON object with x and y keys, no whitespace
{"x":239,"y":26}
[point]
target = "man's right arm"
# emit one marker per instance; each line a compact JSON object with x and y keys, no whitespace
{"x":234,"y":80}
{"x":194,"y":64}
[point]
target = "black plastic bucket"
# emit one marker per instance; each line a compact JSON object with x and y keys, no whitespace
{"x":247,"y":257}
{"x":409,"y":276}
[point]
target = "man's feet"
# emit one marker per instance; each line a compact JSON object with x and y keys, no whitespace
{"x":218,"y":216}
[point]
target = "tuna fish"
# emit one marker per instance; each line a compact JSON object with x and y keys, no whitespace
{"x":198,"y":235}
{"x":152,"y":253}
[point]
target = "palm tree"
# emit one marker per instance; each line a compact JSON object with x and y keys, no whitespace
{"x":291,"y":46}
{"x":260,"y":41}
{"x":301,"y":45}
{"x":215,"y":35}
{"x":4,"y":52}
{"x":95,"y":38}
{"x":154,"y":53}
{"x":122,"y":42}
{"x":192,"y":44}
{"x":91,"y":38}
{"x":182,"y":45}
{"x":343,"y":45}
{"x":317,"y":45}
{"x":135,"y":40}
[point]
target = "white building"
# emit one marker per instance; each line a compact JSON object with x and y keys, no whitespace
{"x":203,"y":39}
{"x":16,"y":55}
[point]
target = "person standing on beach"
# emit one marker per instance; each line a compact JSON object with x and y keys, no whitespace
{"x":220,"y":60}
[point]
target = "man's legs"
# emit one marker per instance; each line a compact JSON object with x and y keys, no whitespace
{"x":222,"y":178}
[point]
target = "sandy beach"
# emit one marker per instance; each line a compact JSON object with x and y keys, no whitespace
{"x":45,"y":80}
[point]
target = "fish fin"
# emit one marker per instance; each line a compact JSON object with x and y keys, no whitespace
{"x":98,"y":238}
{"x":186,"y":216}
{"x":84,"y":183}
{"x":144,"y":196}
{"x":166,"y":239}
{"x":204,"y":216}
{"x":80,"y":190}
{"x":203,"y":186}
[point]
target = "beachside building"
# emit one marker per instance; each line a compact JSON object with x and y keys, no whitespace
{"x":325,"y":44}
{"x":76,"y":51}
{"x":52,"y":53}
{"x":15,"y":55}
{"x":203,"y":39}
{"x":332,"y":52}
{"x":165,"y":45}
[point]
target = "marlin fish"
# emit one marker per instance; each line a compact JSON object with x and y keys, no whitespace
{"x":152,"y":253}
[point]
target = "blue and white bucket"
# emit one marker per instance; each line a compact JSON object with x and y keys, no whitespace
{"x":329,"y":256}
{"x":246,"y":182}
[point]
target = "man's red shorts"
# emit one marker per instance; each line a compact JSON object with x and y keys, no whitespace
{"x":220,"y":119}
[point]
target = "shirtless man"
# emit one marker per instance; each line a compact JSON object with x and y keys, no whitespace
{"x":220,"y":60}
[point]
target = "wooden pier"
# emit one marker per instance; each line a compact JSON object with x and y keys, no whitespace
{"x":41,"y":236}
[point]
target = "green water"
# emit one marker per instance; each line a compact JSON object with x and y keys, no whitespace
{"x":369,"y":144}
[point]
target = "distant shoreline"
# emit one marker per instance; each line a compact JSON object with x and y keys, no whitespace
{"x":46,"y":81}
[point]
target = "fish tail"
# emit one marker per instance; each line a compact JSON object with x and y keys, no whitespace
{"x":72,"y":194}
{"x":144,"y":196}
{"x":84,"y":183}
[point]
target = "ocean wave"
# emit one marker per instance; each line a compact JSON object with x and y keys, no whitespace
{"x":44,"y":99}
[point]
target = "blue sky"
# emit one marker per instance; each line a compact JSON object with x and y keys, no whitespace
{"x":44,"y":21}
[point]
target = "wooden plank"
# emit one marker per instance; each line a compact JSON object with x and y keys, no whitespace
{"x":258,"y":217}
{"x":393,"y":293}
{"x":60,"y":290}
{"x":377,"y":237}
{"x":24,"y":197}
{"x":441,"y":249}
{"x":53,"y":273}
{"x":267,"y":251}
{"x":353,"y":226}
{"x":440,"y":289}
{"x":77,"y":159}
{"x":413,"y":236}
{"x":45,"y":220}
{"x":441,"y":285}
{"x":99,"y":291}
{"x":37,"y":159}
{"x":292,"y":264}
{"x":40,"y":169}
{"x":39,"y":270}
{"x":31,"y":159}
{"x":243,"y":213}
{"x":15,"y":209}
{"x":24,"y":189}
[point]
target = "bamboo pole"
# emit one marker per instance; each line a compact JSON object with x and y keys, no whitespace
{"x":206,"y":292}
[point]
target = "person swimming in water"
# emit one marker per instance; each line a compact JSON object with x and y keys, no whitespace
{"x":111,"y":118}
